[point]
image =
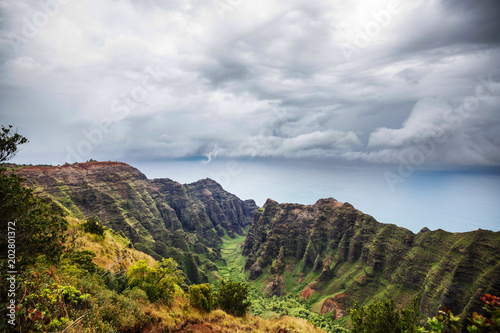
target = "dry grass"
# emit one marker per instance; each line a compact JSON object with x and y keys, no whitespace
{"x":112,"y":252}
{"x":182,"y":318}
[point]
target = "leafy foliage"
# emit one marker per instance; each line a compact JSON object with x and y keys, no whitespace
{"x":233,"y":297}
{"x":82,"y":258}
{"x":38,"y":230}
{"x":93,"y":226}
{"x":490,"y":323}
{"x":9,"y":141}
{"x":383,"y":317}
{"x":201,"y":296}
{"x":446,"y":321}
{"x":159,"y":282}
{"x":55,"y":298}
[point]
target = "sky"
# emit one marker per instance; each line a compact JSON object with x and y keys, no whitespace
{"x":362,"y":82}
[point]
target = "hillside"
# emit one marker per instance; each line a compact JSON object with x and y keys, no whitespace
{"x":113,"y":256}
{"x":333,"y":255}
{"x":160,"y":217}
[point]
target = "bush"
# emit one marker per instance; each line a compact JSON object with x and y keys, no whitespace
{"x":383,"y":317}
{"x":38,"y":230}
{"x":159,"y":282}
{"x":202,"y":297}
{"x":93,"y":226}
{"x":82,"y":258}
{"x":446,"y":321}
{"x":233,"y":297}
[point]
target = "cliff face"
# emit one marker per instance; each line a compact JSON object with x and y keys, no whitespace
{"x":160,"y":217}
{"x":336,"y":254}
{"x":204,"y":205}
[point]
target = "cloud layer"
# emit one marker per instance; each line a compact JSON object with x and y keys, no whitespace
{"x":369,"y":81}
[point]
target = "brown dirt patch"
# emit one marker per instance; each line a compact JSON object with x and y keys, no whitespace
{"x":334,"y":305}
{"x":307,"y":292}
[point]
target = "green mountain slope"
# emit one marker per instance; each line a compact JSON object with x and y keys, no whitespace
{"x":334,"y":255}
{"x":160,"y":217}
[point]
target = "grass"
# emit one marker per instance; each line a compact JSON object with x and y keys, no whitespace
{"x":111,"y":251}
{"x":231,"y":249}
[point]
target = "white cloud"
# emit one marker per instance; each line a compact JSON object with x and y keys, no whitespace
{"x":426,"y":121}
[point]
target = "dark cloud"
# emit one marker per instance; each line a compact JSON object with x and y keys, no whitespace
{"x":353,"y":81}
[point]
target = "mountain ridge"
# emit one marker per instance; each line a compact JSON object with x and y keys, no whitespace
{"x":334,"y":254}
{"x":125,"y":200}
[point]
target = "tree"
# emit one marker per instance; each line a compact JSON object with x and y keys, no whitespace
{"x":233,"y":297}
{"x":9,"y":141}
{"x":383,"y":317}
{"x":93,"y":226}
{"x":27,"y":221}
{"x":191,"y":268}
{"x":82,"y":258}
{"x":159,"y":282}
{"x":201,"y":296}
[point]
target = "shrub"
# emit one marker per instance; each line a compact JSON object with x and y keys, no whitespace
{"x":93,"y":226}
{"x":383,"y":317}
{"x":82,"y":258}
{"x":159,"y":282}
{"x":233,"y":297}
{"x":446,"y":321}
{"x":38,"y":230}
{"x":201,"y":296}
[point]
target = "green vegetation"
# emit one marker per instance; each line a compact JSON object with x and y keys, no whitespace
{"x":93,"y":226}
{"x":201,"y":296}
{"x":232,"y":297}
{"x":159,"y":282}
{"x":30,"y":224}
{"x":446,"y":321}
{"x":9,"y":142}
{"x":277,"y":307}
{"x":81,"y":258}
{"x":383,"y":317}
{"x":269,"y":307}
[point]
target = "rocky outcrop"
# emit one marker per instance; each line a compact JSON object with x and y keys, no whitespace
{"x":160,"y":217}
{"x":334,"y":304}
{"x":205,"y":205}
{"x":340,"y":249}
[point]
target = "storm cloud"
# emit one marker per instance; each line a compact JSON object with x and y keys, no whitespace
{"x":364,"y":81}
